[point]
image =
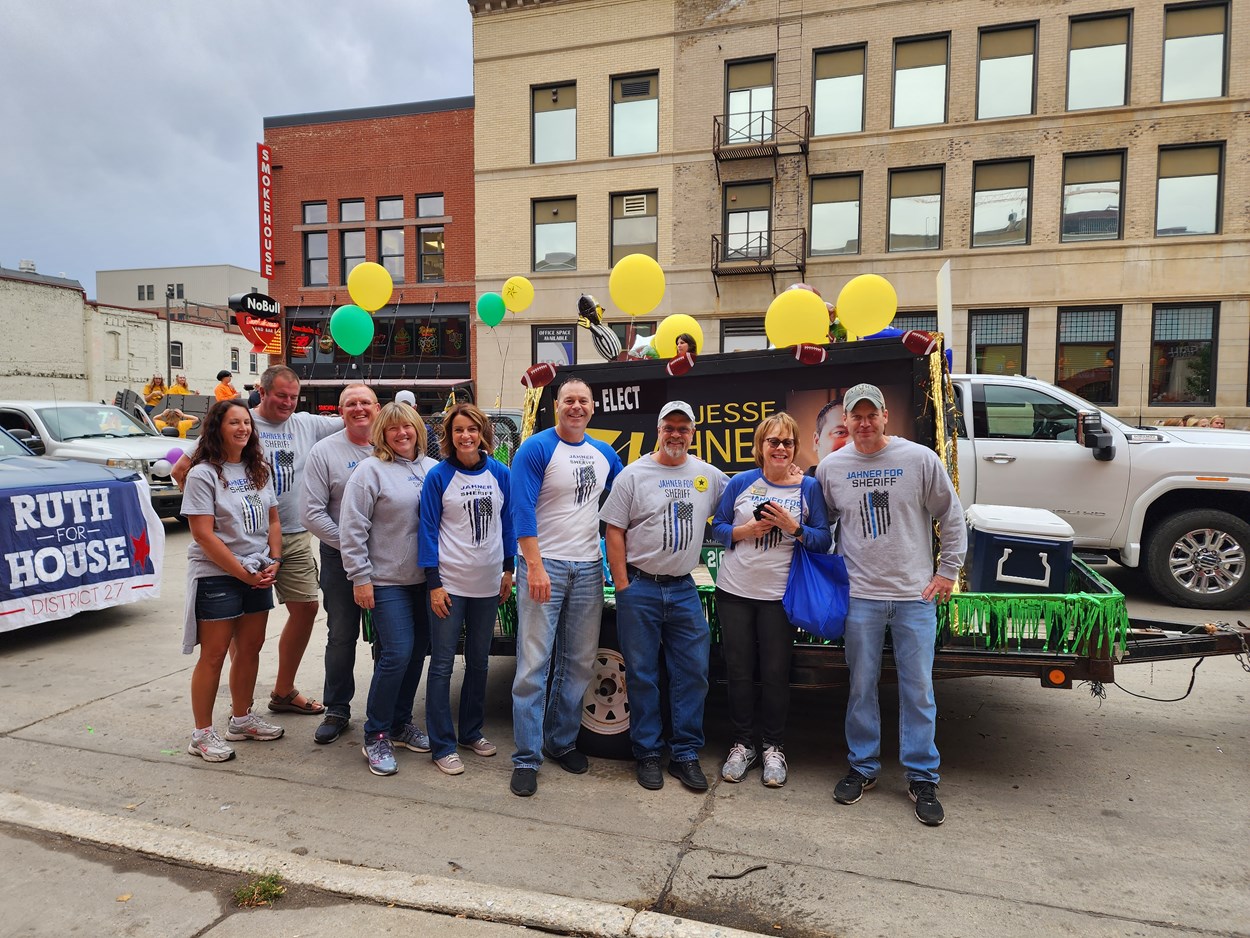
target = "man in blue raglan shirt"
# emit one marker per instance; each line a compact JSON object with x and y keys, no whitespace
{"x":558,"y":478}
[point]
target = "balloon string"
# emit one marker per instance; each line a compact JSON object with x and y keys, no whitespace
{"x":503,"y":364}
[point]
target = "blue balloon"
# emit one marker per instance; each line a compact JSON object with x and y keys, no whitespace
{"x":889,"y":332}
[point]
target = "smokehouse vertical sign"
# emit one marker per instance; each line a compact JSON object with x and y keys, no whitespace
{"x":264,"y":184}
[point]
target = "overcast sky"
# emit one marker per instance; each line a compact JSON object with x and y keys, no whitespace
{"x":128,"y":128}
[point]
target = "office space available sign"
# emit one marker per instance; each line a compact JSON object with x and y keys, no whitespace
{"x":65,"y":550}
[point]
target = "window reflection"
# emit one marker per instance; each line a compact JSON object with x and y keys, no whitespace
{"x":555,"y":235}
{"x":1086,"y":362}
{"x":835,"y":215}
{"x":1091,"y":197}
{"x":920,"y":82}
{"x":996,"y":342}
{"x":353,"y":251}
{"x":1005,"y":78}
{"x":1189,"y":191}
{"x":635,"y":115}
{"x":838,"y":99}
{"x":1182,"y":355}
{"x":748,"y":211}
{"x":391,"y":252}
{"x":1098,"y":63}
{"x":555,"y":124}
{"x":915,"y":210}
{"x":1000,"y":208}
{"x":749,"y":102}
{"x":634,"y":225}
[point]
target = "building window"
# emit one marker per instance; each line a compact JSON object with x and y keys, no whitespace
{"x":1182,"y":355}
{"x":1087,"y":350}
{"x":1189,"y":191}
{"x":316,"y":259}
{"x":1005,"y":75}
{"x":996,"y":342}
{"x":142,"y":292}
{"x":430,"y":206}
{"x":742,"y":335}
{"x":178,"y":291}
{"x":1098,"y":62}
{"x":352,"y":210}
{"x":555,"y":234}
{"x":315,"y":213}
{"x":636,"y":114}
{"x":749,"y":101}
{"x":838,"y":99}
{"x":1193,"y":52}
{"x":925,"y":322}
{"x":630,"y":332}
{"x":234,"y":359}
{"x":175,"y":355}
{"x":634,"y":225}
{"x":1091,"y":197}
{"x":432,"y":250}
{"x":252,"y":362}
{"x":748,"y":221}
{"x":391,"y":208}
{"x":353,"y":251}
{"x":835,"y":215}
{"x":915,"y":209}
{"x":151,"y":291}
{"x":1000,"y":203}
{"x":920,"y":81}
{"x":391,"y":252}
{"x":554,"y":131}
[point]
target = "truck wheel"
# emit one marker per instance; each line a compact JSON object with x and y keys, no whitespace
{"x":605,"y":707}
{"x":1197,"y":559}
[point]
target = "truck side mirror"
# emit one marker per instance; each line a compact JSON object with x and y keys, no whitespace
{"x":1091,"y":434}
{"x":31,"y":441}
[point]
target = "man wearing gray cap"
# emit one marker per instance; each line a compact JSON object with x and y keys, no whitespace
{"x":886,"y":492}
{"x":655,"y":517}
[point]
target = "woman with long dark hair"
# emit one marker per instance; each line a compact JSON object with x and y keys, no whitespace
{"x":229,"y":502}
{"x":467,"y":549}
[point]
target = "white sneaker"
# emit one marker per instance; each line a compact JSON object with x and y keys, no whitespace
{"x":210,"y":747}
{"x":741,"y":758}
{"x":774,"y":767}
{"x":252,"y":727}
{"x":450,"y":764}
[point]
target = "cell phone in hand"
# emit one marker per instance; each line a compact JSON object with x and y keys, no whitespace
{"x":759,"y":510}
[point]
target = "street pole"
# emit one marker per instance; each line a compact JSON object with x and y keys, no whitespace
{"x":169,"y":358}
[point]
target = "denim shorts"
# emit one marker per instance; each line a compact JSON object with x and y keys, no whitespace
{"x":225,"y":597}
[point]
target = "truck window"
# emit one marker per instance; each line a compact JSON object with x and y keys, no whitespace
{"x":12,"y":420}
{"x":1014,"y":413}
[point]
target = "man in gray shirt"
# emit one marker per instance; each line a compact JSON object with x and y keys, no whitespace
{"x":655,"y":517}
{"x":886,"y":492}
{"x":330,"y":463}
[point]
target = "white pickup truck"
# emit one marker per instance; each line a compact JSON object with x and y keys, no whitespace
{"x":1174,"y":501}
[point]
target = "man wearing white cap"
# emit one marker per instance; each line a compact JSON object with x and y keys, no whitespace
{"x":655,"y":516}
{"x":886,"y":492}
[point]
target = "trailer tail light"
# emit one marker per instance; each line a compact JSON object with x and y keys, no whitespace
{"x":1056,"y":677}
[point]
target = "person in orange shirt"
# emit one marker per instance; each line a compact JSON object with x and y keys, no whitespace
{"x":224,"y":390}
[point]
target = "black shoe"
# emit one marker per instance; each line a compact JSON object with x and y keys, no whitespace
{"x":649,"y":775}
{"x":928,"y":808}
{"x":689,"y":773}
{"x":572,"y":761}
{"x":524,"y":782}
{"x":330,"y":729}
{"x":852,"y":788}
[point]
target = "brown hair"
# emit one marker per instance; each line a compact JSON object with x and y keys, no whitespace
{"x":446,"y":445}
{"x":779,"y":420}
{"x":212,"y":450}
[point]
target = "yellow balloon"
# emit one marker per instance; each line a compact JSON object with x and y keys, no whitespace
{"x":866,"y":305}
{"x":370,"y":285}
{"x":665,"y":338}
{"x":795,"y":317}
{"x":518,"y":294}
{"x":636,"y":284}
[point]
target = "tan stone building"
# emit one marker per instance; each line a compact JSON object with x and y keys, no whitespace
{"x":1086,"y":171}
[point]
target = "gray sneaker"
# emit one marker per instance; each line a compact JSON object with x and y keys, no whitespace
{"x":252,"y":727}
{"x":741,"y":758}
{"x":774,"y":767}
{"x":380,"y":754}
{"x":412,"y":737}
{"x":210,"y":747}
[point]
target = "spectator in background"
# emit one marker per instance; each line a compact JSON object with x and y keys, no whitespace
{"x":225,"y":390}
{"x":179,"y":387}
{"x":153,"y":392}
{"x":1217,"y":422}
{"x":253,"y":395}
{"x":687,"y":345}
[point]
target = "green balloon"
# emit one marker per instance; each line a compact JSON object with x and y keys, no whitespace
{"x":352,"y":329}
{"x":491,"y":309}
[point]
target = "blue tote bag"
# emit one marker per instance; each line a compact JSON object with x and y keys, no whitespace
{"x":817,"y":593}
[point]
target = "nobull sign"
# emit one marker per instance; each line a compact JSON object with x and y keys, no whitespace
{"x":257,"y":304}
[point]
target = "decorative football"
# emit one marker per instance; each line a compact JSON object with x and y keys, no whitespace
{"x":920,"y":343}
{"x":680,"y":365}
{"x":539,"y":376}
{"x":810,"y":354}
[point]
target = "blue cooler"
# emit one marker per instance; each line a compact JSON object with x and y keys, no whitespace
{"x":1017,"y":550}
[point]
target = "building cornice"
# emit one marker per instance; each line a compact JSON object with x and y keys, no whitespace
{"x":484,"y":7}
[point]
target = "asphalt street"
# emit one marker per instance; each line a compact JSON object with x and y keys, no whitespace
{"x":1067,"y":814}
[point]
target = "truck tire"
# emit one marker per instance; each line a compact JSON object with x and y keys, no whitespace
{"x":1197,"y":559}
{"x":605,"y":706}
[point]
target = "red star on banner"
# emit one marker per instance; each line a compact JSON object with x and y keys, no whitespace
{"x":141,"y":549}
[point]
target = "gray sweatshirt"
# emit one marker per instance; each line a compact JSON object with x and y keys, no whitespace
{"x":885,"y":504}
{"x":378,"y":522}
{"x":329,"y":465}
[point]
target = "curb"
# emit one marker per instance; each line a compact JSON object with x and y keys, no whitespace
{"x":484,"y":902}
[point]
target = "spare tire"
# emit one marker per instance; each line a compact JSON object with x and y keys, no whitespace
{"x":605,"y":705}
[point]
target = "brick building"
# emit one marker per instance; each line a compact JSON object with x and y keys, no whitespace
{"x":1085,"y":170}
{"x":392,"y":185}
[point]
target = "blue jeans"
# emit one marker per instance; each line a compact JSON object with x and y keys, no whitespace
{"x":404,"y":634}
{"x":477,"y":615}
{"x":560,"y":636}
{"x":342,"y":633}
{"x":913,"y":632}
{"x":663,"y":622}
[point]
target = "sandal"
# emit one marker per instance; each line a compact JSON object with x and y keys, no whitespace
{"x":286,"y":704}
